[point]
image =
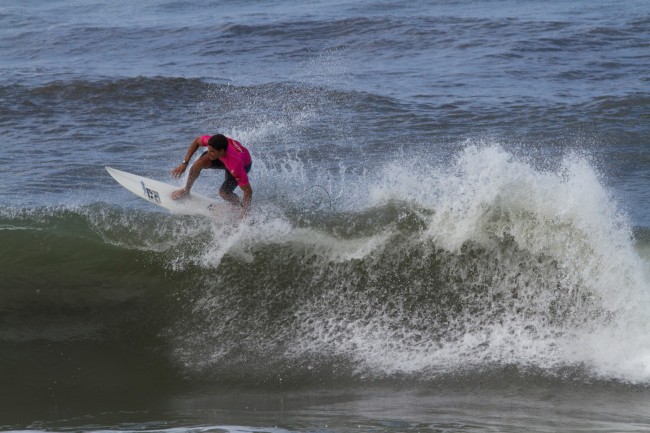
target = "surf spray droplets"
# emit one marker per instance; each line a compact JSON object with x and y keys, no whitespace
{"x":489,"y":263}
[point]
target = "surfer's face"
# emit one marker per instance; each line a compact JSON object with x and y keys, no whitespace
{"x":214,"y":153}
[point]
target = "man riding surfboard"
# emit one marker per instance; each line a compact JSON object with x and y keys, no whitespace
{"x":222,"y":153}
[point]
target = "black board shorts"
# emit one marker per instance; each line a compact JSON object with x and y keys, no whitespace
{"x":229,"y":183}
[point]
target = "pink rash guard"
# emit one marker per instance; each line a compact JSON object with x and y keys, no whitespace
{"x":236,"y":159}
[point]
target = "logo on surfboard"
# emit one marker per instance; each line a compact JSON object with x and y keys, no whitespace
{"x":150,"y":193}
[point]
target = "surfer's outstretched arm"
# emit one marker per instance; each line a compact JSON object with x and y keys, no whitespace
{"x":178,"y":171}
{"x":248,"y":197}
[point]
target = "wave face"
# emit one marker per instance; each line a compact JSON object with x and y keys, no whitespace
{"x":492,"y":263}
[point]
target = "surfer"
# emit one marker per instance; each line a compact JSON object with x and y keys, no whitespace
{"x":222,"y":153}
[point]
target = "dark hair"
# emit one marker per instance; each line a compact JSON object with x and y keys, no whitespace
{"x":218,"y":142}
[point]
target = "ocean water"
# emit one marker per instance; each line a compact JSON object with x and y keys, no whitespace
{"x":450,"y":227}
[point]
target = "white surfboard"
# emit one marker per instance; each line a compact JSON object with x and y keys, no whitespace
{"x":160,"y":193}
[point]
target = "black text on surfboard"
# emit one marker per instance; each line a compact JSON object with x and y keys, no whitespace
{"x":151,"y":194}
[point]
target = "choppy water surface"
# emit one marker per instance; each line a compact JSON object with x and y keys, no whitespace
{"x":449,"y":231}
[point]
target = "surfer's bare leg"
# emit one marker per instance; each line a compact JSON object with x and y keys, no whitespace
{"x":195,"y":171}
{"x":230,"y":197}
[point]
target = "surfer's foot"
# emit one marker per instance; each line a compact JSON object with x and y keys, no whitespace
{"x":180,"y":193}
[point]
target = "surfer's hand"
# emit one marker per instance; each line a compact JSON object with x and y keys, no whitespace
{"x":178,"y":171}
{"x":180,"y":193}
